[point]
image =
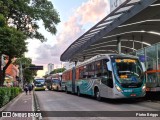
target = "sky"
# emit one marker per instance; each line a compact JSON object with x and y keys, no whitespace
{"x":77,"y":16}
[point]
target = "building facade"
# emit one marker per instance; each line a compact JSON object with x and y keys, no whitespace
{"x":50,"y":67}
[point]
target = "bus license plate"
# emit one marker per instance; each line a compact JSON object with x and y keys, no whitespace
{"x":133,"y":95}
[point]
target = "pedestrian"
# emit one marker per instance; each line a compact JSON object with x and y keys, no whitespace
{"x":26,"y":89}
{"x":30,"y":88}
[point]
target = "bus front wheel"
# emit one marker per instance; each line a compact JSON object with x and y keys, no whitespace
{"x":97,"y":94}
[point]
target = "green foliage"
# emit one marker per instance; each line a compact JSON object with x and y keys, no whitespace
{"x":58,"y":70}
{"x":24,"y":61}
{"x":19,"y":21}
{"x":7,"y":94}
{"x":12,"y":42}
{"x":25,"y":15}
{"x":2,"y":20}
{"x":27,"y":74}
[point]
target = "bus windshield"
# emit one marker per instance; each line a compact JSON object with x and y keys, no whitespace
{"x":56,"y":81}
{"x":127,"y":70}
{"x":39,"y":81}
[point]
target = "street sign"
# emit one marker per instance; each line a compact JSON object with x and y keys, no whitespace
{"x":36,"y":67}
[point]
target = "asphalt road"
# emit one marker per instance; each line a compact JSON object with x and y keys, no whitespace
{"x":60,"y":101}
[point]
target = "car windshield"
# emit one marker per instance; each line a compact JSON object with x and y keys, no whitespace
{"x":127,"y":70}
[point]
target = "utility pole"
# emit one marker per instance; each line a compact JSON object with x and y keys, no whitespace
{"x":1,"y":70}
{"x":21,"y":74}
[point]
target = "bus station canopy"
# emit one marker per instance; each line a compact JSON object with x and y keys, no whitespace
{"x":133,"y":25}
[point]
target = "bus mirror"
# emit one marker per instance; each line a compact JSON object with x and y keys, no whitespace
{"x":109,"y":66}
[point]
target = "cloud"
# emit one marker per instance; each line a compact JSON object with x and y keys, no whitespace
{"x":51,"y":53}
{"x":89,"y":12}
{"x":92,"y":11}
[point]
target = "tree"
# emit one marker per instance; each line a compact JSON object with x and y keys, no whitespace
{"x":28,"y":74}
{"x":25,"y":14}
{"x":19,"y":21}
{"x":12,"y":44}
{"x":58,"y":70}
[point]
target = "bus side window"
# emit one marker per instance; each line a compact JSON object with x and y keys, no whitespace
{"x":107,"y":81}
{"x":104,"y":67}
{"x":90,"y":70}
{"x":98,"y":68}
{"x":83,"y":72}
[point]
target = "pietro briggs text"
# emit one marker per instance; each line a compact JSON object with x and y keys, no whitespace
{"x":147,"y":115}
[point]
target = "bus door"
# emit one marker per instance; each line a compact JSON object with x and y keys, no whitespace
{"x":107,"y":79}
{"x":73,"y":79}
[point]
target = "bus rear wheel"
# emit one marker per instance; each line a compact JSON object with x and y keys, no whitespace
{"x":97,"y":94}
{"x":66,"y":90}
{"x":78,"y":92}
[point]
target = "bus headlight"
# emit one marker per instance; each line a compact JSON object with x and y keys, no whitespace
{"x":144,"y":87}
{"x":118,"y":88}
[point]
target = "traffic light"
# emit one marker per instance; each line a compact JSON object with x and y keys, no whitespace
{"x":36,"y":67}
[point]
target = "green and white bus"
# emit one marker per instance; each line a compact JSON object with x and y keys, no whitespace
{"x":109,"y":76}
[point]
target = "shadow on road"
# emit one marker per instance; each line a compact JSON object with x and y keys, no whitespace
{"x":153,"y":97}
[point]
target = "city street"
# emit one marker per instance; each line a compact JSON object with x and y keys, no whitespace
{"x":60,"y":101}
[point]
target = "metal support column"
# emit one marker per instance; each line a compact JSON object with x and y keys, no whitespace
{"x":118,"y":45}
{"x":75,"y":63}
{"x":21,"y":76}
{"x":133,"y":42}
{"x":157,"y":67}
{"x":141,"y":41}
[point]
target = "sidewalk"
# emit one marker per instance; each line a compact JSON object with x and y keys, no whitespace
{"x":22,"y":103}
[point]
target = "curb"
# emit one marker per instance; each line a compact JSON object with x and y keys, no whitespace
{"x":36,"y":105}
{"x":10,"y":102}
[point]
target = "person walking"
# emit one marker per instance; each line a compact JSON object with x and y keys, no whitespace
{"x":26,"y":89}
{"x":30,"y":88}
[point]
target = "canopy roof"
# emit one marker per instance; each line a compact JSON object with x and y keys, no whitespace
{"x":135,"y":23}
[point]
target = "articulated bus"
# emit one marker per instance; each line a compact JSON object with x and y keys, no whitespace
{"x":109,"y":76}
